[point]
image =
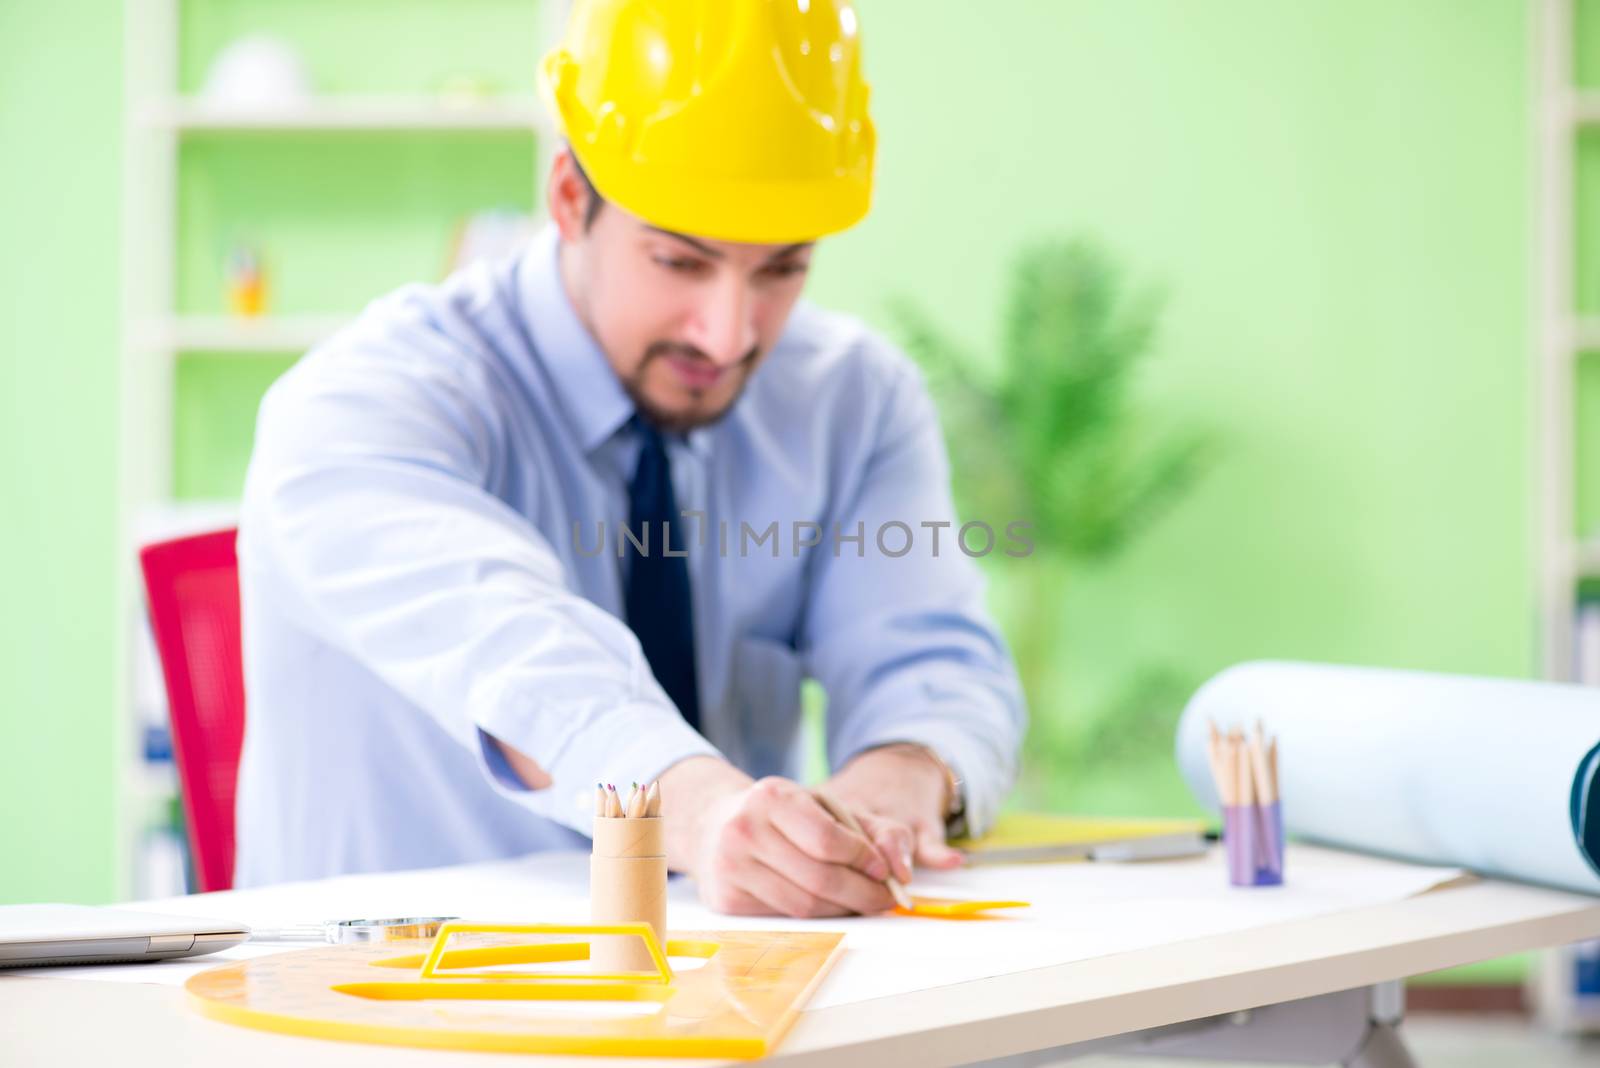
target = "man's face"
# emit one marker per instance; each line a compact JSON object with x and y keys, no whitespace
{"x":684,"y":321}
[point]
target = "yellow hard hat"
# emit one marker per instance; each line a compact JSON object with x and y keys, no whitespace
{"x":736,"y":120}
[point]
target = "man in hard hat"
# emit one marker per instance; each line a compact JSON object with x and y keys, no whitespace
{"x":591,"y":515}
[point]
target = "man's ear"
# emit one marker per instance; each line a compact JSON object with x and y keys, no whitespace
{"x":566,"y":196}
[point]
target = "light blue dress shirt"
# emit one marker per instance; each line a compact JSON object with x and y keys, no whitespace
{"x":421,"y":568}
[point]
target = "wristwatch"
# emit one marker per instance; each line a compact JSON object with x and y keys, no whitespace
{"x":955,"y":811}
{"x":955,"y":792}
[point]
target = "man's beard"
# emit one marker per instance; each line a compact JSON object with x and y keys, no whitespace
{"x":682,"y":422}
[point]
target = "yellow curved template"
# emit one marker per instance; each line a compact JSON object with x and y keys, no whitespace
{"x":740,"y":1003}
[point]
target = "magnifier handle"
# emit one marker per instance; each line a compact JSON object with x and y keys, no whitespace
{"x":305,"y":932}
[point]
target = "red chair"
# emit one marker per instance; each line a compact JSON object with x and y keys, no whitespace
{"x":192,"y":586}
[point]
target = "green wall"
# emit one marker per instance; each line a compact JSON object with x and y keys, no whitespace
{"x":60,"y":70}
{"x":1336,"y":195}
{"x":1334,"y":192}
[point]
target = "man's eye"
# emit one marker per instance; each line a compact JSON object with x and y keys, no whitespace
{"x":784,"y":270}
{"x":678,"y":264}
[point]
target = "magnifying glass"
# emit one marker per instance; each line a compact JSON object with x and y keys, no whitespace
{"x":344,"y":932}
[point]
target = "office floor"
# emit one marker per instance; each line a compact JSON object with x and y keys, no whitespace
{"x":1448,"y":1041}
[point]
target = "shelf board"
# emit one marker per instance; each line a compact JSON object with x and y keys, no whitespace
{"x":1586,"y":333}
{"x":1584,"y":107}
{"x":352,"y":113}
{"x":224,"y":333}
{"x":161,"y":520}
{"x":149,"y":782}
{"x":1587,"y":558}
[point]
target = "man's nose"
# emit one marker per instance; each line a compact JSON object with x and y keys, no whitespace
{"x":724,"y":326}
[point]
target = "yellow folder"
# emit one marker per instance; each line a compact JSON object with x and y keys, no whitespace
{"x":1037,"y":836}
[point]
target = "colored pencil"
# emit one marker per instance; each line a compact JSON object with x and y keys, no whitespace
{"x":1265,"y":790}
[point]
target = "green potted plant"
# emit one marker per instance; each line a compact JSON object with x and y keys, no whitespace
{"x":1050,"y":431}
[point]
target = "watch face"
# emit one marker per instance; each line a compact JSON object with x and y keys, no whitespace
{"x":958,"y":796}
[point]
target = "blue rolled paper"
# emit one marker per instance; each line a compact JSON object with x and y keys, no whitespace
{"x":1499,"y":776}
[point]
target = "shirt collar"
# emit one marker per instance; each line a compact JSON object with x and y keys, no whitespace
{"x":593,"y":399}
{"x":699,"y":440}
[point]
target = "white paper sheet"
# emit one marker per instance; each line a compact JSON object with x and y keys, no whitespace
{"x":1079,"y":911}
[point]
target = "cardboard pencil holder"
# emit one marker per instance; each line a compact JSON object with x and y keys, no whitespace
{"x":627,"y":884}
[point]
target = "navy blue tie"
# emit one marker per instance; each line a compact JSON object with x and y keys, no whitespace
{"x":657,"y":597}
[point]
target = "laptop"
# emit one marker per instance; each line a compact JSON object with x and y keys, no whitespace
{"x":37,"y":935}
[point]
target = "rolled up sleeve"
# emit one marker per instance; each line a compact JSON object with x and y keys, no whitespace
{"x":368,"y":502}
{"x":902,"y":643}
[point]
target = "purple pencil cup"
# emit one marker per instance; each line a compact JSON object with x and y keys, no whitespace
{"x":1253,"y":838}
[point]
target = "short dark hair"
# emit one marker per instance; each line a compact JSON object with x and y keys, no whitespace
{"x":596,"y":201}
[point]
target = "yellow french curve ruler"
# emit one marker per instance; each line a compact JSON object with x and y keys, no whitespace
{"x":467,"y":994}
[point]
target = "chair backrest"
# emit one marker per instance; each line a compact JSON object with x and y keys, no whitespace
{"x":192,"y":587}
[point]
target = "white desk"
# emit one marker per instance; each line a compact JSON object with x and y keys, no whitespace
{"x":1139,"y":999}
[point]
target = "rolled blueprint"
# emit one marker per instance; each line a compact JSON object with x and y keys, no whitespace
{"x":1494,"y":775}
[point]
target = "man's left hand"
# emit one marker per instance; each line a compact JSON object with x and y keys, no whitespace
{"x":905,"y":785}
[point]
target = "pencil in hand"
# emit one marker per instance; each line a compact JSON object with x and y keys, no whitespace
{"x":846,"y":817}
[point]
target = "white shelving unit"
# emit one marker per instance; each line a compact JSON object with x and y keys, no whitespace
{"x":230,"y":333}
{"x":1562,"y":111}
{"x":1566,"y":557}
{"x":155,"y":335}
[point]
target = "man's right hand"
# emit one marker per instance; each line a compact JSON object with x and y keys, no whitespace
{"x":768,"y":847}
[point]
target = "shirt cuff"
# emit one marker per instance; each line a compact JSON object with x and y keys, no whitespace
{"x":949,"y":731}
{"x":631,"y":743}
